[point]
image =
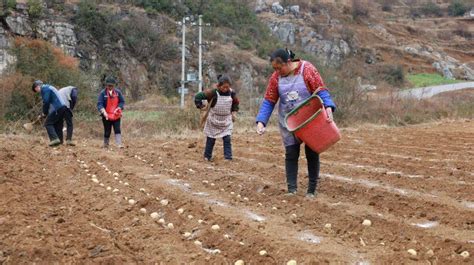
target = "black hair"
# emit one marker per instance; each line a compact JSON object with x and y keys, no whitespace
{"x":282,"y":55}
{"x":221,"y":79}
{"x":35,"y":84}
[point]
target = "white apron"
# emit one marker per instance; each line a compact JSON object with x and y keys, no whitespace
{"x":219,"y":122}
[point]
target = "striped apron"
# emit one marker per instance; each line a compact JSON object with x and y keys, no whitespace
{"x":219,"y":122}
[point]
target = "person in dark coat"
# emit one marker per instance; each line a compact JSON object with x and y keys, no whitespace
{"x":54,"y":109}
{"x":110,"y":105}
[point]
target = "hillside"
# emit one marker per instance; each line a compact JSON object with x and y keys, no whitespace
{"x":378,"y":42}
{"x":375,"y":39}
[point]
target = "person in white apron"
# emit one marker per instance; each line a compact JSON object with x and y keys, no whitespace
{"x":224,"y":105}
{"x":291,"y":83}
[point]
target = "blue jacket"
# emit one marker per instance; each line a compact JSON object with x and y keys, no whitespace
{"x":52,"y":101}
{"x":103,"y":96}
{"x":267,"y":106}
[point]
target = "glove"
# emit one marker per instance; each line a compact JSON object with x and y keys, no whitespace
{"x":260,"y":128}
{"x":104,"y":113}
{"x":329,"y":113}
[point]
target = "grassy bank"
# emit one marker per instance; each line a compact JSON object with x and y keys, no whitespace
{"x":425,"y":79}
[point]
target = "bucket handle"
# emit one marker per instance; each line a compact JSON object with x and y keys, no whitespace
{"x":295,"y":111}
{"x":317,"y":90}
{"x":307,"y":101}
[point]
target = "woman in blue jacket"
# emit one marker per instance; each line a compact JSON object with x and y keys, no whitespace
{"x":110,"y":105}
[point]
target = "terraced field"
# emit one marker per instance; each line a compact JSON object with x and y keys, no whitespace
{"x":158,"y":202}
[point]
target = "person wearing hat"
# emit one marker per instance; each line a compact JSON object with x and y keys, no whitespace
{"x":110,"y":105}
{"x":54,"y":109}
{"x":224,"y":105}
{"x":69,"y":96}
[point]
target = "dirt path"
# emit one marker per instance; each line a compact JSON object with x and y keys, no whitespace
{"x":73,"y":204}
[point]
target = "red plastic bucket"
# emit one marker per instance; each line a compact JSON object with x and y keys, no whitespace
{"x":308,"y":121}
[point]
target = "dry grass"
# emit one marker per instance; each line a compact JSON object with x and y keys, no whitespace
{"x":395,"y":111}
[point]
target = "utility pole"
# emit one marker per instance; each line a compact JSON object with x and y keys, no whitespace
{"x":200,"y":54}
{"x":182,"y":62}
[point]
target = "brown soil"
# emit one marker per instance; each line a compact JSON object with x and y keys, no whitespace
{"x":52,"y":212}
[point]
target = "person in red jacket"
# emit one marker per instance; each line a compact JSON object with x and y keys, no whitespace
{"x":110,"y":105}
{"x":292,"y":82}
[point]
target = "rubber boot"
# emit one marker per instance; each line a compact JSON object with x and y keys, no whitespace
{"x":118,"y":140}
{"x":106,"y":142}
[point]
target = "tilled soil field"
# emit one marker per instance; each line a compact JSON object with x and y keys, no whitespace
{"x":157,"y":201}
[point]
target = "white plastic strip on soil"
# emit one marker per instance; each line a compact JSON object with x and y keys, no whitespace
{"x":309,"y":237}
{"x":426,"y":225}
{"x":404,"y":192}
{"x":372,"y":184}
{"x":391,"y":172}
{"x":437,"y":164}
{"x":406,"y":157}
{"x":437,"y":147}
{"x":255,"y":216}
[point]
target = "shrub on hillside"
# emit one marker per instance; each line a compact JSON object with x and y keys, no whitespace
{"x":457,"y":8}
{"x":15,"y":101}
{"x":264,"y":49}
{"x":174,"y":8}
{"x":38,"y":59}
{"x":244,"y":42}
{"x":11,"y":4}
{"x":249,"y":32}
{"x":35,"y":9}
{"x":56,"y":4}
{"x":464,"y":32}
{"x":431,"y":9}
{"x":387,"y":7}
{"x":145,"y":41}
{"x":359,"y":9}
{"x":97,"y":23}
{"x":446,"y":35}
{"x":393,"y":74}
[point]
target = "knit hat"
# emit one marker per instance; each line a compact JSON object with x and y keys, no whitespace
{"x":35,"y":84}
{"x":221,"y":79}
{"x":110,"y":81}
